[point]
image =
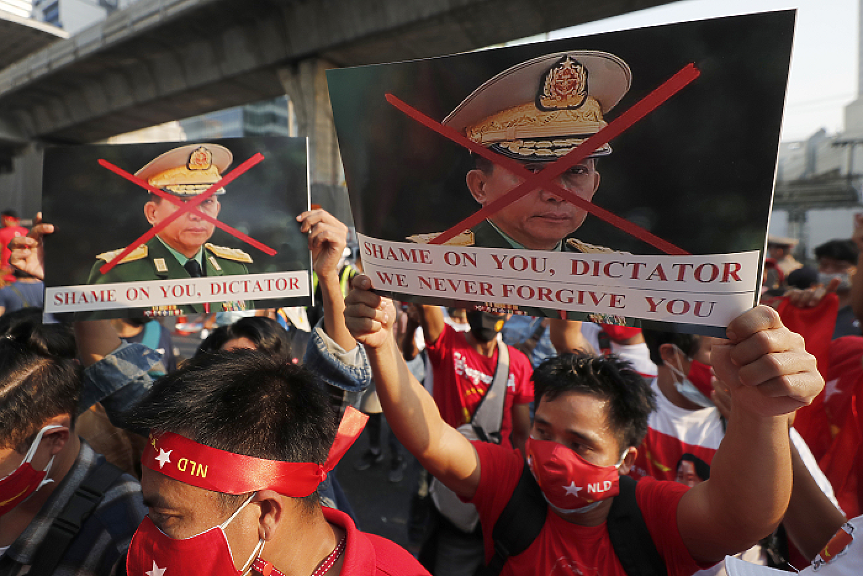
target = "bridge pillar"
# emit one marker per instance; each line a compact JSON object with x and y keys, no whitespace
{"x":305,"y":83}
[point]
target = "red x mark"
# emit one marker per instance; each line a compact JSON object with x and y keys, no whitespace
{"x":546,"y":177}
{"x":184,"y":207}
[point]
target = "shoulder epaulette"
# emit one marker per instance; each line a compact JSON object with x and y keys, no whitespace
{"x":229,"y":253}
{"x":585,"y":248}
{"x":136,"y":254}
{"x":466,"y":238}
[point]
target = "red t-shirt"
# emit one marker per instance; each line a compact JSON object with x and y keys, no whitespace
{"x":462,"y":377}
{"x":672,"y":432}
{"x":368,"y":554}
{"x":6,"y":235}
{"x":563,"y":548}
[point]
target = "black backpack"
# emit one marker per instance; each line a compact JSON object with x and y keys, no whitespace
{"x":524,"y":515}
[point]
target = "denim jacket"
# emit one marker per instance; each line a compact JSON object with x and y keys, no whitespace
{"x":119,"y":380}
{"x":348,"y":371}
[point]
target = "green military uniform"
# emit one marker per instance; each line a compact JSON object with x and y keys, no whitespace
{"x":485,"y":235}
{"x":153,"y":261}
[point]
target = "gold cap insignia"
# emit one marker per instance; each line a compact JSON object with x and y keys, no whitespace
{"x":564,"y":86}
{"x":200,"y":159}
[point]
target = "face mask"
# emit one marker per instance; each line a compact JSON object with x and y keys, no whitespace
{"x":569,"y":483}
{"x":24,"y":480}
{"x":484,"y":326}
{"x":696,"y":385}
{"x":151,"y":552}
{"x":844,"y":280}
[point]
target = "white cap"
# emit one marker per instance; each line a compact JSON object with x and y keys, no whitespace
{"x":843,"y":556}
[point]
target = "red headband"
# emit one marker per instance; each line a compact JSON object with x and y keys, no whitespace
{"x":185,"y":460}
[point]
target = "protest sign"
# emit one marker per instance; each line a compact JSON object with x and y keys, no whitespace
{"x":649,"y":154}
{"x":176,"y":228}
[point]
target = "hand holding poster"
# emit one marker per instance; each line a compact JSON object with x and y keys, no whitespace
{"x":692,"y":112}
{"x":169,"y":265}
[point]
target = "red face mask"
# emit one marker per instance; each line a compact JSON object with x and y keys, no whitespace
{"x":152,"y":553}
{"x":568,"y":482}
{"x":697,"y":385}
{"x":24,"y":481}
{"x":701,"y":375}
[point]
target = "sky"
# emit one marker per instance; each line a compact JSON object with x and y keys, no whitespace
{"x":823,"y":76}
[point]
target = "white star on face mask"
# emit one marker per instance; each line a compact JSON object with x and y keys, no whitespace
{"x":572,"y":489}
{"x":163,"y":458}
{"x":156,"y":571}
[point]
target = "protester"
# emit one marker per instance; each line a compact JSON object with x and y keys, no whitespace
{"x":837,"y":259}
{"x":231,"y":475}
{"x":151,"y":334}
{"x":780,"y":251}
{"x":24,"y":292}
{"x":63,"y":509}
{"x":579,"y":426}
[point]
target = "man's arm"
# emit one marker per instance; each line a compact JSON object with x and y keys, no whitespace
{"x":327,"y":241}
{"x":769,"y":374}
{"x":566,"y":337}
{"x":411,"y":412}
{"x":811,"y":519}
{"x":431,"y":321}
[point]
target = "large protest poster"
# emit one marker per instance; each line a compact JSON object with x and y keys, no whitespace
{"x":175,"y":228}
{"x":608,"y":177}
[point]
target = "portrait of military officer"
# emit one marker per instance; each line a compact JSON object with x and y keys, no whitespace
{"x":180,"y":249}
{"x":536,"y":112}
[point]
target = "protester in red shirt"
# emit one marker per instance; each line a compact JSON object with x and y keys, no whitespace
{"x":591,"y":414}
{"x":239,"y":442}
{"x":464,"y":364}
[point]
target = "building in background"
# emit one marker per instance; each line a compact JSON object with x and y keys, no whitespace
{"x":20,"y":8}
{"x":75,"y":15}
{"x":819,"y":181}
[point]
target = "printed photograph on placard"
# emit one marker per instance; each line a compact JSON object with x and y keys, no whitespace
{"x":616,"y":176}
{"x":169,"y":229}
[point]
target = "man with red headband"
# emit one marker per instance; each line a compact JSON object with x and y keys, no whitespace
{"x":591,"y":414}
{"x":238,"y":445}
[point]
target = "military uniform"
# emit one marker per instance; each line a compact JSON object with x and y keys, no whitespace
{"x":484,"y":235}
{"x":153,"y":261}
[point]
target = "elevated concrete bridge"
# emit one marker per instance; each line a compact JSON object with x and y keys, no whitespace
{"x":162,"y":60}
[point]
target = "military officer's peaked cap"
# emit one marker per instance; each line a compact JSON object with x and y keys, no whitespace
{"x":543,"y":108}
{"x":188,"y":170}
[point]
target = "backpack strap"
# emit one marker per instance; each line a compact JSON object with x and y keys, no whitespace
{"x":488,"y":417}
{"x":629,"y":535}
{"x":524,"y":515}
{"x":68,"y":523}
{"x":20,"y":295}
{"x":519,"y":523}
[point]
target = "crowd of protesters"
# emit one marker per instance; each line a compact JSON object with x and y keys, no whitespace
{"x":546,"y":446}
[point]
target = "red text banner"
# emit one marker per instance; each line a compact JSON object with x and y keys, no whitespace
{"x":705,"y":290}
{"x":251,"y":287}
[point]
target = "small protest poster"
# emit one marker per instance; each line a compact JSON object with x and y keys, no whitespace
{"x":176,"y":228}
{"x":620,"y":176}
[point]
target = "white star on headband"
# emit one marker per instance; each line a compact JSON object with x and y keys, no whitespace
{"x":572,"y":489}
{"x":156,"y":571}
{"x":163,"y":458}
